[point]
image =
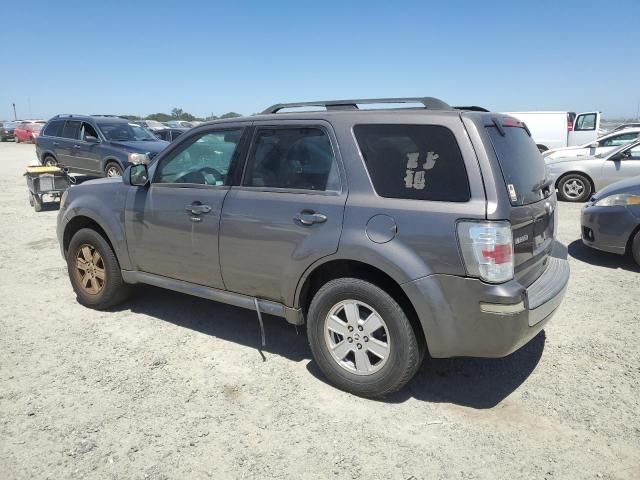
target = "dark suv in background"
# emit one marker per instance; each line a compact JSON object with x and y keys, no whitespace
{"x":7,"y":130}
{"x":390,"y":233}
{"x":96,"y":145}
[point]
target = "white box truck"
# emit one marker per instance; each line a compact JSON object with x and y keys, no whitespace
{"x":560,"y":129}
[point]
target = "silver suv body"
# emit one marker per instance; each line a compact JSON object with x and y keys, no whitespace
{"x":389,"y":232}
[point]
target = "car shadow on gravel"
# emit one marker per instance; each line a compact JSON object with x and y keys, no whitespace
{"x":598,"y":258}
{"x":473,"y":382}
{"x":233,"y":324}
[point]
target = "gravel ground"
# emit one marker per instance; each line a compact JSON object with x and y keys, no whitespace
{"x":170,"y":386}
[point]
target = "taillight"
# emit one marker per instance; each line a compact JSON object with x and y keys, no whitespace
{"x":569,"y":124}
{"x":487,"y":250}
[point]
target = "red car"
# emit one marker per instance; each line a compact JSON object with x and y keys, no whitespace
{"x":28,"y":130}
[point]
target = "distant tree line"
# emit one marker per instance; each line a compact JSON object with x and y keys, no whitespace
{"x":179,"y":114}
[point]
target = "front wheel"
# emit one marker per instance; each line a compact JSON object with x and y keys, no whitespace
{"x":361,"y":338}
{"x":113,"y":170}
{"x":574,"y":188}
{"x":49,"y":161}
{"x":94,"y":271}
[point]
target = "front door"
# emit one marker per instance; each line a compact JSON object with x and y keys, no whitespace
{"x":626,"y":165}
{"x":87,"y":153}
{"x":286,"y":214}
{"x":172,"y":226}
{"x":585,"y":129}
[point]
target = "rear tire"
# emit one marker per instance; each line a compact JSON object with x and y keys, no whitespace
{"x":49,"y":161}
{"x":635,"y":247}
{"x":574,"y":187}
{"x":365,"y":359}
{"x":94,"y":271}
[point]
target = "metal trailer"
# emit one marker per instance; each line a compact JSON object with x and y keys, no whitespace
{"x":41,"y":181}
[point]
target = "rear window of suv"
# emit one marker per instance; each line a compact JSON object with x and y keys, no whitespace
{"x":417,"y":162}
{"x":523,"y":168}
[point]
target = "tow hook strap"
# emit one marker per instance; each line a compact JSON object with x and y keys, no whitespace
{"x":264,"y":342}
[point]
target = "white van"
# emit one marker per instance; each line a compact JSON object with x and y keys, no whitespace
{"x":560,"y":129}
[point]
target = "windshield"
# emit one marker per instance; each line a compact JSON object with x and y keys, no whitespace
{"x":9,"y":125}
{"x":522,"y":166}
{"x":125,"y":132}
{"x":154,"y":124}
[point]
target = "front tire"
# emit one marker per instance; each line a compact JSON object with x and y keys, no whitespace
{"x":112,"y":169}
{"x":574,"y":187}
{"x":94,"y":271}
{"x":361,"y":338}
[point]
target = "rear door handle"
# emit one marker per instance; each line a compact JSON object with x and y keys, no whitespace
{"x":197,"y":209}
{"x":309,"y":217}
{"x":76,"y":146}
{"x":55,"y":144}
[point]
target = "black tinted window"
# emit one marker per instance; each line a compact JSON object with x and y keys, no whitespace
{"x":298,"y":158}
{"x":419,"y":162}
{"x":54,"y":128}
{"x":522,"y":165}
{"x":71,"y":129}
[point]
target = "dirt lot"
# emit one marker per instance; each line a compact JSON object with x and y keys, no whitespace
{"x":170,"y":386}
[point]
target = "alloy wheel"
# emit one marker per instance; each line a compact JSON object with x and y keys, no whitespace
{"x":357,"y":337}
{"x":90,"y":271}
{"x":573,"y":188}
{"x":113,"y":171}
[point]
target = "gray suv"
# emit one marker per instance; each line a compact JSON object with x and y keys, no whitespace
{"x":389,"y":232}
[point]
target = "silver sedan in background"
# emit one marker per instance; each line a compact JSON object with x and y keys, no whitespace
{"x":578,"y":178}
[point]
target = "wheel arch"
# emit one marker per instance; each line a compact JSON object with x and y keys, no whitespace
{"x":343,"y":268}
{"x":629,"y":244}
{"x":107,"y":160}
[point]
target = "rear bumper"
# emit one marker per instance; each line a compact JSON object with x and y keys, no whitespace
{"x":466,"y":317}
{"x":607,"y":228}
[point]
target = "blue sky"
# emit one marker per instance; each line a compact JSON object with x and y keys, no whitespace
{"x":139,"y":57}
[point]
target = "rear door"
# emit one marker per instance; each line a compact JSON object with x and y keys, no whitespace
{"x":66,"y":145}
{"x":288,"y":211}
{"x":585,"y":128}
{"x":533,"y":207}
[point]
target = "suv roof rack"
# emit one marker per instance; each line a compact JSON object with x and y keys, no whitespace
{"x":65,"y":115}
{"x":473,"y":108}
{"x":430,"y":103}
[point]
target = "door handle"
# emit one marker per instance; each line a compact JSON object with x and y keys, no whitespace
{"x":55,"y":144}
{"x":309,"y":217}
{"x":76,"y":146}
{"x":197,"y":208}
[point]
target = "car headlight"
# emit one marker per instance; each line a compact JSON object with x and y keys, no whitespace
{"x":617,"y":200}
{"x":137,"y":158}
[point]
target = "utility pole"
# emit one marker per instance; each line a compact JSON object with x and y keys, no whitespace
{"x":15,"y":117}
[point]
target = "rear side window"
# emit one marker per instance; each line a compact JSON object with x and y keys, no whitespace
{"x":54,"y":128}
{"x":522,"y":166}
{"x":71,"y":129}
{"x":293,"y":158}
{"x":418,"y":162}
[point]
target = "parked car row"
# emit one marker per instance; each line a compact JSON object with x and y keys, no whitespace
{"x":20,"y":130}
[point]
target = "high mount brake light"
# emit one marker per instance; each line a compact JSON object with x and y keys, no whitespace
{"x":487,"y":250}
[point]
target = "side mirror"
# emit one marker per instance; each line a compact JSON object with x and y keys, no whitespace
{"x":594,"y":145}
{"x":620,"y":156}
{"x":136,"y":175}
{"x":90,"y":139}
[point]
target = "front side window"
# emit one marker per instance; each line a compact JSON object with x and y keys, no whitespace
{"x":88,"y":131}
{"x":204,"y":161}
{"x":586,"y":122}
{"x":633,"y":153}
{"x":71,"y":129}
{"x":299,"y":158}
{"x":125,"y":132}
{"x":417,"y":162}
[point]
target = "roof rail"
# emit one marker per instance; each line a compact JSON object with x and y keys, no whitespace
{"x":64,"y":115}
{"x":473,"y":108}
{"x":430,"y":103}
